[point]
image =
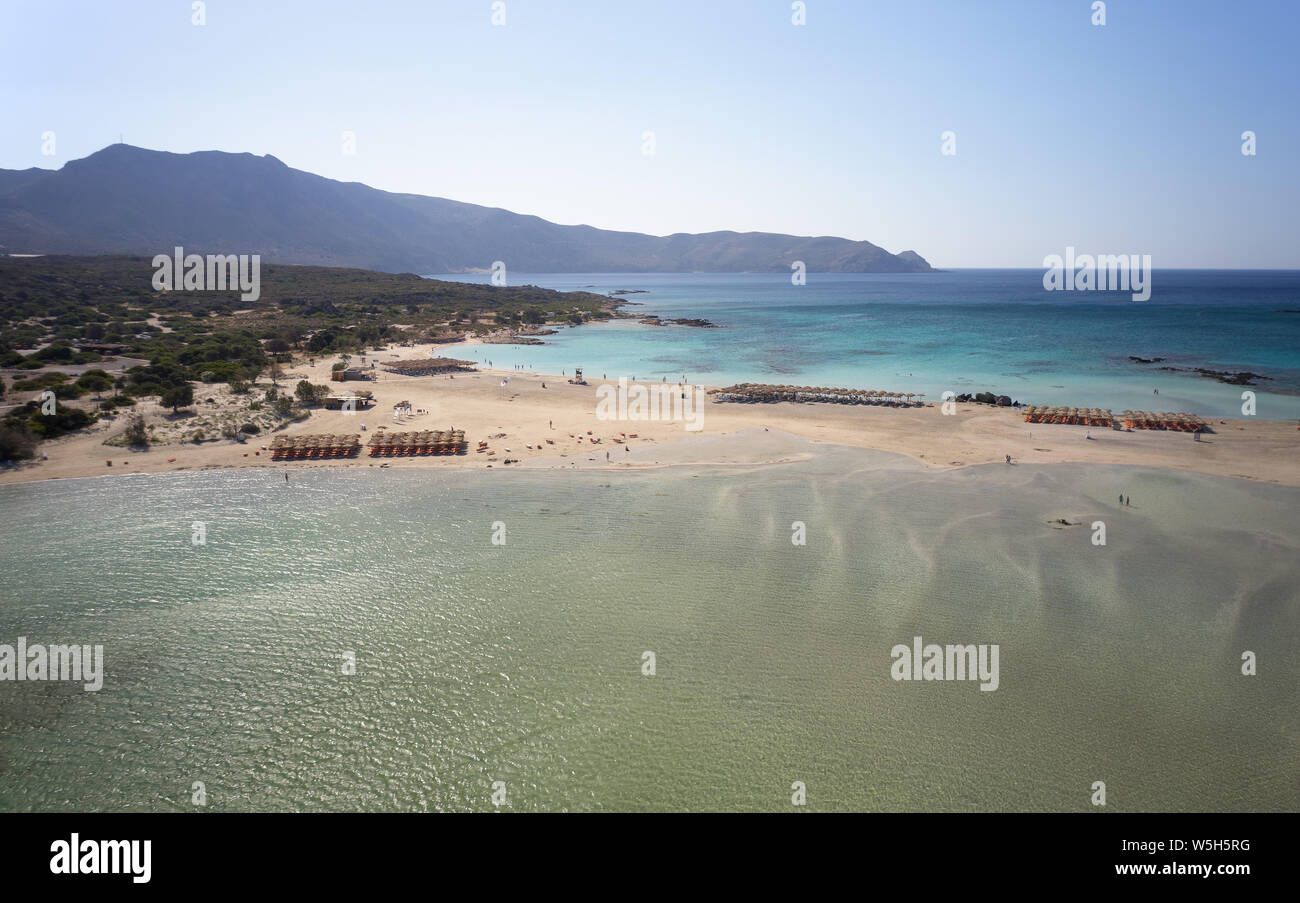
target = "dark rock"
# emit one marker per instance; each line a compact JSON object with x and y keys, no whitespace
{"x":1242,"y":378}
{"x":680,"y":321}
{"x":1239,"y":378}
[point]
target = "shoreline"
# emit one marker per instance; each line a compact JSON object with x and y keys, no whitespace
{"x":524,"y":414}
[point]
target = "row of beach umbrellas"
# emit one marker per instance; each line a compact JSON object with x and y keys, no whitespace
{"x":1146,"y":420}
{"x":1080,"y":416}
{"x":745,"y":392}
{"x":325,"y":445}
{"x":426,"y":442}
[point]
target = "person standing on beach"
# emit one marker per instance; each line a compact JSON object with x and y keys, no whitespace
{"x":1121,"y":498}
{"x":1128,"y":499}
{"x":1008,"y":459}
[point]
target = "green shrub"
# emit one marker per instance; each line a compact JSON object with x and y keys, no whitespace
{"x":95,"y":381}
{"x":136,"y":433}
{"x":43,"y":381}
{"x":16,"y":443}
{"x":48,"y":426}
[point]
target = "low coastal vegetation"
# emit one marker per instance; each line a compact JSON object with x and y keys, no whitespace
{"x":75,"y":312}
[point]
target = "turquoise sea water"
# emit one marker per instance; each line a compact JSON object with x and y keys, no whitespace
{"x":522,"y":662}
{"x":959,"y":331}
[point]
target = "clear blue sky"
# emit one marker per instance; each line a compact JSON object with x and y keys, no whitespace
{"x":1122,"y":138}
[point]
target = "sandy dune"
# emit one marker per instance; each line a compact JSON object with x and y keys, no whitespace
{"x":524,"y":412}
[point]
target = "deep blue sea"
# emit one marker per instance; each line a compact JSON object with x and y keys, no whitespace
{"x":959,"y":331}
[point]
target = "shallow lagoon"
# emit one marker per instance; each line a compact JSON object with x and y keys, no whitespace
{"x":522,"y":662}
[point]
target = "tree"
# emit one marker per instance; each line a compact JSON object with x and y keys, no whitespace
{"x":15,"y":443}
{"x":178,"y":397}
{"x":135,"y":432}
{"x":320,"y":341}
{"x":310,"y":394}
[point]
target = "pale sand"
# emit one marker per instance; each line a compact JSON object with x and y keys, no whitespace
{"x":1252,"y":449}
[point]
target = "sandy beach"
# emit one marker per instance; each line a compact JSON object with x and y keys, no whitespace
{"x":518,"y":419}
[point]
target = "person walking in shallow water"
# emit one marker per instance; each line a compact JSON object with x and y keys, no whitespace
{"x":1008,"y":459}
{"x":286,"y":478}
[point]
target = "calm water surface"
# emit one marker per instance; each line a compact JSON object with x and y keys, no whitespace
{"x":522,"y":662}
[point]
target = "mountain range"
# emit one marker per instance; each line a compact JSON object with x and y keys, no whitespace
{"x":130,"y":200}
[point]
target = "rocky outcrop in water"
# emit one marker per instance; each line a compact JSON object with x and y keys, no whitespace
{"x":1237,"y":378}
{"x":652,"y":320}
{"x":1241,"y":378}
{"x":511,"y":340}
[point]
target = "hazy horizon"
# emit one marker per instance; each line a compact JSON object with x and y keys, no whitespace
{"x":1115,"y":138}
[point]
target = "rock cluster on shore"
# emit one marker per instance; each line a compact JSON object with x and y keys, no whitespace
{"x":1003,"y":401}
